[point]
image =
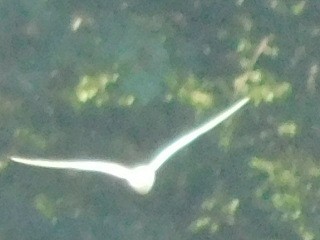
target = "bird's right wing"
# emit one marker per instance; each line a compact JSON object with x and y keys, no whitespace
{"x":111,"y":168}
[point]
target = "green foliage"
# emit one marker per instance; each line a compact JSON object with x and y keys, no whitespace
{"x":285,"y":189}
{"x":45,"y":206}
{"x":112,"y":79}
{"x":220,"y":212}
{"x":190,"y":91}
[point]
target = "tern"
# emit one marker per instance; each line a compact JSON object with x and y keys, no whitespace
{"x":142,"y":177}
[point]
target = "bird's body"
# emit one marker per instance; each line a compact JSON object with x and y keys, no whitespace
{"x":141,"y":178}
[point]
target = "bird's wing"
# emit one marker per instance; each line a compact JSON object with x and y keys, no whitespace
{"x":111,"y":168}
{"x":189,"y":137}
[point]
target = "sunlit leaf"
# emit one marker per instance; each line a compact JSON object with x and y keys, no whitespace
{"x":45,"y":206}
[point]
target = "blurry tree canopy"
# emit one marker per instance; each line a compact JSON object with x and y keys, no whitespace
{"x":120,"y":79}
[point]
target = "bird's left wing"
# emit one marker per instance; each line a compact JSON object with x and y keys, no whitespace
{"x":110,"y":168}
{"x":189,"y":137}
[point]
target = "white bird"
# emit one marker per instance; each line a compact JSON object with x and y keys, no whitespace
{"x":141,"y":178}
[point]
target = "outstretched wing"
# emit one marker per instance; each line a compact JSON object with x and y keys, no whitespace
{"x":111,"y":168}
{"x":189,"y":137}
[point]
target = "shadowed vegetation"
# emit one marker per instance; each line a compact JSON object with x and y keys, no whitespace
{"x":119,"y":80}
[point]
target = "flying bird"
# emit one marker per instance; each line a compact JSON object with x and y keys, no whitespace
{"x":141,"y":178}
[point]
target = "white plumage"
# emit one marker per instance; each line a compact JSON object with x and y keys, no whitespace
{"x":141,"y":178}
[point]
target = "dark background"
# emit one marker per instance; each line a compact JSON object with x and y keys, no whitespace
{"x":120,"y":79}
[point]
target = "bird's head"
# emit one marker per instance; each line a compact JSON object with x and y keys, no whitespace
{"x":141,"y":179}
